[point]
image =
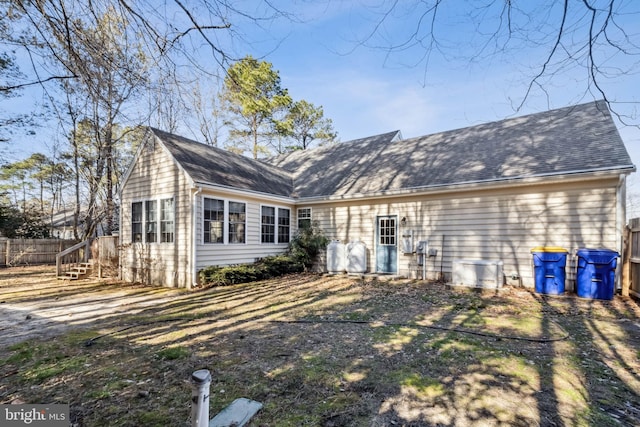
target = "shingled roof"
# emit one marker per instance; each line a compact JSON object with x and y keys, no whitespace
{"x":565,"y":141}
{"x":571,"y":140}
{"x":211,"y":165}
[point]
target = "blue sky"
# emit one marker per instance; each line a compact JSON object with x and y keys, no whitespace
{"x":323,"y":57}
{"x":366,"y":91}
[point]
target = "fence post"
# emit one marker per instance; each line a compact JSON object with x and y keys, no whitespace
{"x":626,"y":261}
{"x":200,"y":382}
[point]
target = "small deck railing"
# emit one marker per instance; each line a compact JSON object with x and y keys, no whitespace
{"x":73,"y":257}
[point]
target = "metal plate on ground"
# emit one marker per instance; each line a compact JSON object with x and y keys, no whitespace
{"x":237,"y":414}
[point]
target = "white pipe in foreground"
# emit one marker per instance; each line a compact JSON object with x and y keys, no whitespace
{"x":200,"y":381}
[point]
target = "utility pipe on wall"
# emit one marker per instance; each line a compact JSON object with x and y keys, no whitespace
{"x":194,"y":239}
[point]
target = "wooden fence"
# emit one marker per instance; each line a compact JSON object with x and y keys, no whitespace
{"x":631,"y":260}
{"x":14,"y":252}
{"x":105,"y":252}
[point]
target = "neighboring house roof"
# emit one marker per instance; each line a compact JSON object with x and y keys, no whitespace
{"x":62,"y":218}
{"x":565,"y":141}
{"x":569,"y":140}
{"x":210,"y":165}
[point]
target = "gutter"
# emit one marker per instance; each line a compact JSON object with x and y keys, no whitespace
{"x":194,"y":240}
{"x":578,"y":175}
{"x":243,"y":192}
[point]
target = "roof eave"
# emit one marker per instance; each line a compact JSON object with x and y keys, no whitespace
{"x":243,"y":192}
{"x":498,"y":183}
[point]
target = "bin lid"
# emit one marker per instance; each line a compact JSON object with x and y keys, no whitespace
{"x":597,"y":251}
{"x":549,"y":249}
{"x":597,"y":256}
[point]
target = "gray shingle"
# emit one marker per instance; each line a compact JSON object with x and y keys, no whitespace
{"x":569,"y":140}
{"x":321,"y":171}
{"x":210,"y":165}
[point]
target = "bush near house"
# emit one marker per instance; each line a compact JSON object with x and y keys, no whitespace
{"x":266,"y":268}
{"x":307,"y":243}
{"x":303,"y":250}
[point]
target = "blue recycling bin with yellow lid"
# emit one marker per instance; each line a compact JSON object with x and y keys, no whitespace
{"x":549,"y":264}
{"x":596,"y":273}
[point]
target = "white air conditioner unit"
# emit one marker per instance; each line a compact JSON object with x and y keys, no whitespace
{"x":477,"y":273}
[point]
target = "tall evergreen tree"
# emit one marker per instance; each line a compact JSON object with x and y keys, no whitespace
{"x":305,"y":125}
{"x":255,"y":100}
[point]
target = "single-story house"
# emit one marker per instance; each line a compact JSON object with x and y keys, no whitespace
{"x":487,"y":192}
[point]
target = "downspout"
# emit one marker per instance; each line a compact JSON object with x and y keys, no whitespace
{"x":119,"y":245}
{"x":194,"y":240}
{"x":621,"y":218}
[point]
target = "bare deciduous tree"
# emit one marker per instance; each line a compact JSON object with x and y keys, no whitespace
{"x":595,"y":40}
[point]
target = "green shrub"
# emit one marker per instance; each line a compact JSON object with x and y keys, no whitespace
{"x":266,"y":268}
{"x":307,"y":243}
{"x":303,"y":250}
{"x":277,"y":265}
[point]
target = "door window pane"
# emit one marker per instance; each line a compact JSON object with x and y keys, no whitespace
{"x":387,"y":230}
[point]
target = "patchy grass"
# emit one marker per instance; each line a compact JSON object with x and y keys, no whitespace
{"x":334,"y":351}
{"x":173,"y":353}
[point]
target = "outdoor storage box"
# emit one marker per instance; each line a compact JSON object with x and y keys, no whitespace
{"x":595,"y":276}
{"x":549,"y":269}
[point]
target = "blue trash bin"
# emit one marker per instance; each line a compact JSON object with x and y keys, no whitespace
{"x":596,"y":273}
{"x":549,"y":269}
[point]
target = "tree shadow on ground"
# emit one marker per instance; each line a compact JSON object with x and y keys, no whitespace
{"x":600,"y":361}
{"x":337,"y":351}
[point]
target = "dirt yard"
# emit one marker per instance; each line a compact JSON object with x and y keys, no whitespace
{"x":319,"y":351}
{"x":35,"y":304}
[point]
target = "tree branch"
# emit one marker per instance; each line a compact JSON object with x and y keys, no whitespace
{"x":200,"y":29}
{"x":36,"y":82}
{"x":549,"y":57}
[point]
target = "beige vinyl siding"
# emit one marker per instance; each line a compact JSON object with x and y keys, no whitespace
{"x":489,"y":224}
{"x":237,"y":253}
{"x":155,"y":176}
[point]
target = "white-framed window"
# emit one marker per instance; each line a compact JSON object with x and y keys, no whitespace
{"x":237,"y":222}
{"x":150,"y":226}
{"x":167,"y":224}
{"x":224,"y":221}
{"x":275,"y":224}
{"x":151,"y":221}
{"x":304,"y":217}
{"x":284,"y":225}
{"x":213,"y":221}
{"x":268,"y":224}
{"x":136,"y":222}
